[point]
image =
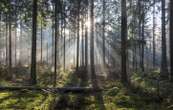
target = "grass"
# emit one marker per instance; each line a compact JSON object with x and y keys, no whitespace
{"x":124,"y":99}
{"x":141,"y":95}
{"x":25,"y":100}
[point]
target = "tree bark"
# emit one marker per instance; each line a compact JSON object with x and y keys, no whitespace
{"x":6,"y":41}
{"x":92,"y":61}
{"x":171,"y":38}
{"x":164,"y":65}
{"x":10,"y":43}
{"x":41,"y":57}
{"x":143,"y":39}
{"x":86,"y":40}
{"x":82,"y":23}
{"x":56,"y":39}
{"x":154,"y":46}
{"x":123,"y":42}
{"x":78,"y":35}
{"x":103,"y":32}
{"x":34,"y":44}
{"x":64,"y":38}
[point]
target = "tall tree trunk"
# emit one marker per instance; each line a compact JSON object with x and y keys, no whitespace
{"x":1,"y":52}
{"x":92,"y":62}
{"x":154,"y":46}
{"x":164,"y":65}
{"x":6,"y":40}
{"x":53,"y":39}
{"x":34,"y":44}
{"x":41,"y":57}
{"x":20,"y":40}
{"x":62,"y":21}
{"x":78,"y":35}
{"x":143,"y":40}
{"x":171,"y":38}
{"x":86,"y":47}
{"x":10,"y":44}
{"x":56,"y":39}
{"x":15,"y":54}
{"x":139,"y":33}
{"x":123,"y":42}
{"x":64,"y":38}
{"x":103,"y":31}
{"x":86,"y":38}
{"x":82,"y":41}
{"x":47,"y":56}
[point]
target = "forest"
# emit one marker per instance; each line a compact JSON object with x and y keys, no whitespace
{"x":86,"y":54}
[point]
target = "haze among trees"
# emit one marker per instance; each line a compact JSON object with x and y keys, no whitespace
{"x":86,"y":54}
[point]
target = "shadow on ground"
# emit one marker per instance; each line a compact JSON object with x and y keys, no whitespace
{"x":80,"y":101}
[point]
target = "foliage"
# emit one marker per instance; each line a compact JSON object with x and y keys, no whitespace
{"x":26,"y":100}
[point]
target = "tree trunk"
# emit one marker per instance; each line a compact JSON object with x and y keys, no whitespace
{"x":56,"y":39}
{"x":10,"y":44}
{"x":47,"y":56}
{"x":34,"y":44}
{"x":92,"y":62}
{"x":154,"y":47}
{"x":103,"y":32}
{"x":41,"y":57}
{"x":1,"y":52}
{"x":143,"y":40}
{"x":15,"y":55}
{"x":6,"y":40}
{"x":64,"y":39}
{"x":164,"y":65}
{"x":86,"y":47}
{"x":78,"y":36}
{"x":82,"y":42}
{"x":123,"y":42}
{"x":171,"y":38}
{"x":20,"y":41}
{"x":86,"y":39}
{"x":53,"y":39}
{"x":139,"y":34}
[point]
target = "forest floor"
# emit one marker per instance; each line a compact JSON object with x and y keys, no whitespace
{"x":144,"y":93}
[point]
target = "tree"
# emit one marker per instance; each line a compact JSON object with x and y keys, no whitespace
{"x":82,"y":43}
{"x":56,"y":39}
{"x":78,"y":33}
{"x":34,"y":46}
{"x":92,"y":43}
{"x":86,"y":46}
{"x":123,"y":42}
{"x":41,"y":57}
{"x":6,"y":40}
{"x":86,"y":37}
{"x":143,"y":38}
{"x":16,"y":35}
{"x":154,"y":25}
{"x":171,"y":38}
{"x":10,"y":39}
{"x":164,"y":66}
{"x":64,"y":20}
{"x":103,"y":31}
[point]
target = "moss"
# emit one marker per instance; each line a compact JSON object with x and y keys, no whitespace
{"x":116,"y":96}
{"x":25,"y":100}
{"x":113,"y":91}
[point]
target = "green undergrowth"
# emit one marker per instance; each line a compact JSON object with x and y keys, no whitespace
{"x":123,"y":98}
{"x":25,"y":100}
{"x":145,"y":92}
{"x":32,"y":100}
{"x":116,"y":96}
